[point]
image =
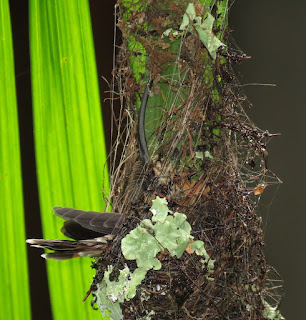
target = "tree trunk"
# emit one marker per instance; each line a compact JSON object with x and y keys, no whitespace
{"x":208,"y":164}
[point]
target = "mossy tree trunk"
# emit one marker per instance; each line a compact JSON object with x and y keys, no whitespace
{"x":207,"y":159}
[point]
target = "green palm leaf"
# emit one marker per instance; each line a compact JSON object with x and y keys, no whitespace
{"x":69,"y":142}
{"x":14,"y":289}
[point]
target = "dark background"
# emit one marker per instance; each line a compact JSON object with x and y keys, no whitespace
{"x":273,"y":33}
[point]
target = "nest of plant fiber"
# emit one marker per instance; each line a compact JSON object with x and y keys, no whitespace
{"x":206,"y":158}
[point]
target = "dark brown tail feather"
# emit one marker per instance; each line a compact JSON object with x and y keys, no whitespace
{"x":66,"y":249}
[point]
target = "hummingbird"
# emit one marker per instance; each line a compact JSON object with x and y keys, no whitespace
{"x":92,"y":231}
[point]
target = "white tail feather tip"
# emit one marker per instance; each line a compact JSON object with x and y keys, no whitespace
{"x":31,"y":241}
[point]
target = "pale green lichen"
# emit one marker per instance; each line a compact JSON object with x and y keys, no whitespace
{"x":199,"y":155}
{"x":208,"y":155}
{"x":111,"y":293}
{"x":201,"y":27}
{"x":109,"y":296}
{"x":160,"y":210}
{"x":141,"y":246}
{"x":165,"y":231}
{"x":271,"y":313}
{"x":199,"y":249}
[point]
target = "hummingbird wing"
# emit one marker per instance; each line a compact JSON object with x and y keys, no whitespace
{"x":82,"y":224}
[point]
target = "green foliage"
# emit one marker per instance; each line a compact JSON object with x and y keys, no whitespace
{"x":137,"y":62}
{"x":201,"y":27}
{"x":69,"y":142}
{"x":14,"y":289}
{"x":144,"y":50}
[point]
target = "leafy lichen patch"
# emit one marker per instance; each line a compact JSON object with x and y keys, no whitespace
{"x":165,"y":231}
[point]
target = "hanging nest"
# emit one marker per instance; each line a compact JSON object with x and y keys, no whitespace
{"x":207,"y":159}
